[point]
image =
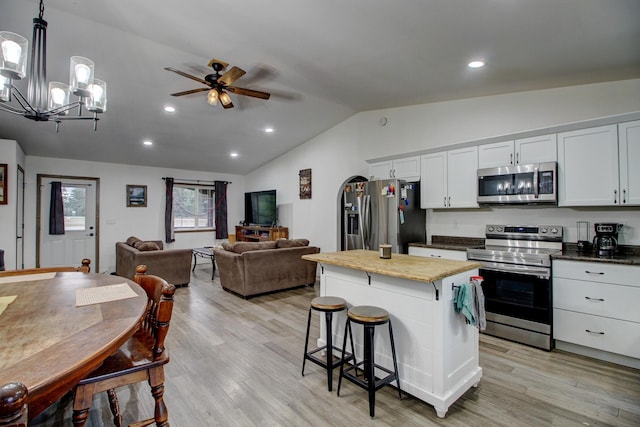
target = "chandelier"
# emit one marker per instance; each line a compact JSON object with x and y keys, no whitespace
{"x":52,"y":102}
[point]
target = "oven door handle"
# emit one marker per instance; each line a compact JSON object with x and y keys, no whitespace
{"x":525,"y":270}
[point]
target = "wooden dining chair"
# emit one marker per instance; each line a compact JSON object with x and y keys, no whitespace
{"x":141,"y":358}
{"x":84,"y":268}
{"x":13,"y":405}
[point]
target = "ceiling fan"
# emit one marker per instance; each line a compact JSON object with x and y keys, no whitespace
{"x":218,"y":85}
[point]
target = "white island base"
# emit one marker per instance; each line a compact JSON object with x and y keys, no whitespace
{"x":437,"y":351}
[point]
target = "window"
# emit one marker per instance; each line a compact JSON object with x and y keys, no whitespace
{"x":74,"y":200}
{"x":193,"y":207}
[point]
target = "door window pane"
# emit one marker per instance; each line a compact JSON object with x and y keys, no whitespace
{"x":74,"y":200}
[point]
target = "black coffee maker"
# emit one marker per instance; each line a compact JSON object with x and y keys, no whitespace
{"x":605,"y":242}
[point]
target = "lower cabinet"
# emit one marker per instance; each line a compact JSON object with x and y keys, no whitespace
{"x":595,"y":306}
{"x":438,"y":253}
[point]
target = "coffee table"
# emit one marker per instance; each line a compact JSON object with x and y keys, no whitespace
{"x":205,"y":252}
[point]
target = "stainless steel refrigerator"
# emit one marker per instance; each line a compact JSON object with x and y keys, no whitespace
{"x":384,"y":211}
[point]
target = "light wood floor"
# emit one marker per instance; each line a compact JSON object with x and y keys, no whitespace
{"x":237,"y":362}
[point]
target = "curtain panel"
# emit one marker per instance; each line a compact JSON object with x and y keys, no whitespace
{"x":168,"y":212}
{"x":56,"y":209}
{"x":222,"y":231}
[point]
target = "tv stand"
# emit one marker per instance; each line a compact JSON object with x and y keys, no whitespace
{"x":258,"y":233}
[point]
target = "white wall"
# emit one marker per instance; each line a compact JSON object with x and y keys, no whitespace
{"x":333,"y":157}
{"x":342,"y":152}
{"x":12,"y":155}
{"x":117,"y":221}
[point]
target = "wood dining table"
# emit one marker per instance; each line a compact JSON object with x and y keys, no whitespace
{"x":48,"y":343}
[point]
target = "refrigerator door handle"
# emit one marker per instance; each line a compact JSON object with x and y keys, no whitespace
{"x":366,"y":221}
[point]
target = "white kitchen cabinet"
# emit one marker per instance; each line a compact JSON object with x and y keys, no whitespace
{"x":449,"y":179}
{"x":522,"y":151}
{"x":629,"y":150}
{"x":588,"y":167}
{"x":437,"y":253}
{"x":595,"y":309}
{"x":598,"y":166}
{"x":407,"y":168}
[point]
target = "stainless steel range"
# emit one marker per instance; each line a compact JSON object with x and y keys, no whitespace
{"x":517,"y":281}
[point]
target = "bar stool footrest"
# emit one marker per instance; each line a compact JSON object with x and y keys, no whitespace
{"x":379,"y":382}
{"x":310,"y":355}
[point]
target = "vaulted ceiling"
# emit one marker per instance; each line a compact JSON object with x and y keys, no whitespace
{"x":322,"y":61}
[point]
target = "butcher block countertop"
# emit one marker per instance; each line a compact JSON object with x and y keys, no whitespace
{"x":399,"y":265}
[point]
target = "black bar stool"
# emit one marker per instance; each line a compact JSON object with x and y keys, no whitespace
{"x":369,"y":317}
{"x":328,"y":305}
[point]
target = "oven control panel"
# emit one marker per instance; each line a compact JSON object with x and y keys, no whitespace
{"x":524,"y":232}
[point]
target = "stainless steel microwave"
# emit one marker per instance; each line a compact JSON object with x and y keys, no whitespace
{"x":519,"y":184}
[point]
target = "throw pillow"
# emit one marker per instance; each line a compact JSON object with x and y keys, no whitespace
{"x":131,"y":241}
{"x":147,"y":246}
{"x":293,"y":243}
{"x":227,"y":246}
{"x":240,"y":247}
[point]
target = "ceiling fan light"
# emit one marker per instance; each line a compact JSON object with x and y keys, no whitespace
{"x":212,"y":97}
{"x":13,"y":55}
{"x":225,"y":99}
{"x":81,"y":75}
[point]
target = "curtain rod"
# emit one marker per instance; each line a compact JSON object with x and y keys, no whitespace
{"x":178,"y":180}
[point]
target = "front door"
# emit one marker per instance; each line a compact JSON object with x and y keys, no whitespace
{"x":79,"y":240}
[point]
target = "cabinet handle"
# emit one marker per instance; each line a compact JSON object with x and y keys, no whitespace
{"x":517,"y":158}
{"x":511,"y":158}
{"x":445,"y":201}
{"x":435,"y":256}
{"x":594,"y":272}
{"x":594,"y":299}
{"x":624,"y":196}
{"x":615,"y":197}
{"x":449,"y":201}
{"x":593,"y":332}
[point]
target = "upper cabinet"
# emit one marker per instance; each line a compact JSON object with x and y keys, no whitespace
{"x":407,"y":168}
{"x":523,"y":151}
{"x":598,"y":166}
{"x":629,"y":152}
{"x":449,"y":179}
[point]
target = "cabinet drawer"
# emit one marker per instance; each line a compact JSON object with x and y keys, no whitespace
{"x":616,"y":336}
{"x":597,"y":272}
{"x":438,"y":253}
{"x":602,"y":299}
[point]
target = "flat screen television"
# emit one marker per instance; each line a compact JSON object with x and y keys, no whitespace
{"x":260,"y":208}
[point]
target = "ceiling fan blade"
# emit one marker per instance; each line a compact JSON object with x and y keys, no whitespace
{"x":231,"y":76}
{"x":189,"y":76}
{"x":189,"y":92}
{"x":248,"y":92}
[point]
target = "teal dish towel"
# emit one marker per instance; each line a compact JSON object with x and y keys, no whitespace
{"x":464,"y":302}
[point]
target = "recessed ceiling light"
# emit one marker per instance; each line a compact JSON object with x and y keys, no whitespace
{"x":476,"y":64}
{"x":169,"y":109}
{"x":234,"y":154}
{"x":147,"y":142}
{"x":268,"y":130}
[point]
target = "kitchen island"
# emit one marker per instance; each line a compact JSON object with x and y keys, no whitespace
{"x":437,"y":350}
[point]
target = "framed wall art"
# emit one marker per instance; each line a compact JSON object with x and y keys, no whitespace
{"x":136,"y":196}
{"x":305,"y":183}
{"x":3,"y":184}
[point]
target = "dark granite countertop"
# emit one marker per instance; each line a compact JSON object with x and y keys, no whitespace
{"x":627,"y":255}
{"x":452,"y":243}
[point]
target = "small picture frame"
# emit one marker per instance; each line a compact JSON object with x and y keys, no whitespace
{"x":305,"y":183}
{"x":3,"y":184}
{"x":136,"y":196}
